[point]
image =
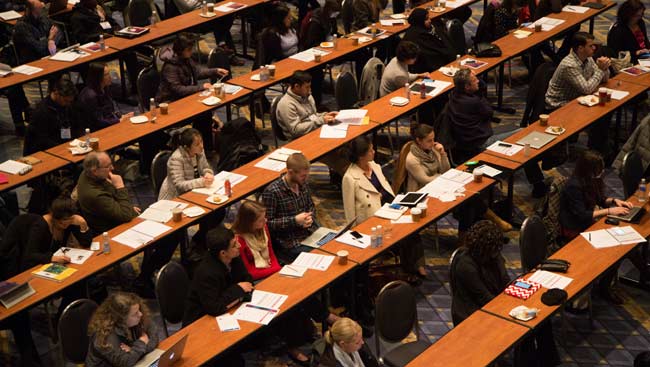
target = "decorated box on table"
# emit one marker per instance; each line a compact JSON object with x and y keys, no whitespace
{"x":521,"y":288}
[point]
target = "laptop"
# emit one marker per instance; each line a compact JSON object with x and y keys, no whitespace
{"x":635,"y":213}
{"x":160,"y":358}
{"x":536,"y":139}
{"x":323,"y":235}
{"x":57,"y":6}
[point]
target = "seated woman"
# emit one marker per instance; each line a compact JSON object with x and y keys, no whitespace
{"x":629,"y":32}
{"x":280,"y":39}
{"x":506,"y":17}
{"x":365,"y":190}
{"x":345,"y":346}
{"x":121,"y":332}
{"x":397,"y":73}
{"x":583,"y":201}
{"x":96,"y":95}
{"x":477,"y":275}
{"x":436,"y":49}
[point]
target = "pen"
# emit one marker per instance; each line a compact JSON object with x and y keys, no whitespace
{"x":589,"y":236}
{"x":261,"y":308}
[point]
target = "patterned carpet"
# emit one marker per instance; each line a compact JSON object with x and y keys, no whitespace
{"x":618,"y":332}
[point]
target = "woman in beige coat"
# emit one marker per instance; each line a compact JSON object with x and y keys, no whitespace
{"x":365,"y":190}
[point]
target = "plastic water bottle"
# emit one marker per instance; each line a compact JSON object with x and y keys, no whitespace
{"x":106,"y":245}
{"x":152,"y":109}
{"x":87,"y":137}
{"x":373,"y":237}
{"x":641,"y":196}
{"x":423,"y":90}
{"x":154,"y":17}
{"x":335,"y":41}
{"x":407,"y":7}
{"x":204,"y":9}
{"x":102,"y":44}
{"x":373,"y":30}
{"x":380,"y":236}
{"x":407,"y":91}
{"x":458,"y":61}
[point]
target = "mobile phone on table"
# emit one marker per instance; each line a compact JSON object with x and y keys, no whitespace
{"x":522,"y":285}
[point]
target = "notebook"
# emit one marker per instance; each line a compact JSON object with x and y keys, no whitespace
{"x":323,"y":235}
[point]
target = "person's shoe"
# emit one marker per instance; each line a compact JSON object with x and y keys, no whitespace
{"x":295,"y":355}
{"x":494,"y":218}
{"x":236,"y":61}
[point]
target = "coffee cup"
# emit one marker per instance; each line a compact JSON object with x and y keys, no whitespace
{"x":416,"y":214}
{"x":478,"y":175}
{"x":317,"y":57}
{"x":343,"y":257}
{"x":94,"y":143}
{"x":271,"y":70}
{"x":527,"y":150}
{"x":602,"y":96}
{"x":609,"y":95}
{"x":443,"y":3}
{"x":177,"y":214}
{"x":543,"y":120}
{"x":423,"y":209}
{"x":538,"y":27}
{"x":164,"y":108}
{"x":355,"y":42}
{"x":210,"y":7}
{"x":218,"y":87}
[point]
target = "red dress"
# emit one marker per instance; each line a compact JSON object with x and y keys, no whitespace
{"x":249,"y":262}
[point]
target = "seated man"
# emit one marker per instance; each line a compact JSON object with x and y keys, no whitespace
{"x":34,"y":35}
{"x":397,"y":72}
{"x":296,"y":114}
{"x":578,"y":75}
{"x":469,"y":116}
{"x":290,"y":210}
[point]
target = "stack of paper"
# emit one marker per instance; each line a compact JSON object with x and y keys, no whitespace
{"x":333,"y":131}
{"x":614,"y":236}
{"x":26,"y":70}
{"x":550,"y":280}
{"x":161,"y":211}
{"x":505,"y":148}
{"x":10,"y":15}
{"x":193,"y":211}
{"x":69,"y":55}
{"x":575,"y":9}
{"x":217,"y":186}
{"x":262,"y":308}
{"x":387,"y":212}
{"x":77,"y":255}
{"x":314,"y":261}
{"x":351,"y":117}
{"x":293,"y":271}
{"x":229,"y":6}
{"x":141,"y":234}
{"x":448,"y":185}
{"x":547,"y":23}
{"x":276,"y":160}
{"x":14,"y":167}
{"x":308,"y":55}
{"x":227,"y":322}
{"x":349,"y":239}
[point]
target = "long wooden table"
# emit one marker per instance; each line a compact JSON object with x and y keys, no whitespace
{"x":48,"y":164}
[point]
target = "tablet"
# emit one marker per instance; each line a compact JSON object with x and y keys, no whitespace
{"x":412,"y":198}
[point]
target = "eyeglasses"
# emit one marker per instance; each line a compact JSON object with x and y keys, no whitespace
{"x":109,"y":166}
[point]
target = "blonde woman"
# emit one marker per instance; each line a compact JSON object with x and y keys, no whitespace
{"x":121,"y":332}
{"x":345,"y":346}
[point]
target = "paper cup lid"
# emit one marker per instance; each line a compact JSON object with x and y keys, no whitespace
{"x":342,"y":253}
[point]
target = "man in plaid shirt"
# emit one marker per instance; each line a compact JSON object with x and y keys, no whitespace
{"x":290,"y":209}
{"x":578,"y":75}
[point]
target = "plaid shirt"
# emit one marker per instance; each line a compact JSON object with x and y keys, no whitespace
{"x":572,"y":79}
{"x":282,"y":205}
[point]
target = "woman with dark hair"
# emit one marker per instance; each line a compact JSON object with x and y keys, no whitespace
{"x":506,"y":17}
{"x":629,"y":32}
{"x":280,"y":39}
{"x":321,"y":25}
{"x":121,"y":331}
{"x":436,"y":49}
{"x":365,"y":190}
{"x":397,"y":73}
{"x":96,"y":95}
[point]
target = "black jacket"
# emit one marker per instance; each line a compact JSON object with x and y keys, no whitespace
{"x":327,"y":359}
{"x":180,"y":78}
{"x":85,"y":24}
{"x":317,"y":30}
{"x":30,"y":38}
{"x":436,"y":49}
{"x":28,"y":242}
{"x":621,"y":38}
{"x":576,"y":208}
{"x":474,"y":284}
{"x":214,"y":287}
{"x":469,"y":118}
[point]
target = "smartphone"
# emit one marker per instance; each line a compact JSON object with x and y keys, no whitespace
{"x":505,"y":145}
{"x":356,"y":234}
{"x":395,"y":206}
{"x":522,"y":285}
{"x":612,"y":221}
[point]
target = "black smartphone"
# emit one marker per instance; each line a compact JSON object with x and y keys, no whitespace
{"x":612,"y":221}
{"x":505,"y":145}
{"x":356,"y":234}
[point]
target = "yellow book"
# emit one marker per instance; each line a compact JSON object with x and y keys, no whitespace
{"x":56,"y":272}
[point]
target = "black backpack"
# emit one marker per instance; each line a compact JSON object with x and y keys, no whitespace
{"x":238,"y":144}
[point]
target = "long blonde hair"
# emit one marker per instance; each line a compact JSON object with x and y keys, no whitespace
{"x":111,"y":315}
{"x":343,"y":330}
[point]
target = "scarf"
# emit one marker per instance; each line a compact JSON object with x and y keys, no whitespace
{"x":345,"y":359}
{"x":428,"y":159}
{"x":259,"y":248}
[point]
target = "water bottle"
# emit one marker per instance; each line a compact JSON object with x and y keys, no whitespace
{"x":641,"y":196}
{"x":204,"y":9}
{"x":87,"y":137}
{"x":334,"y":41}
{"x":106,"y":245}
{"x":152,"y":109}
{"x":373,"y":30}
{"x":380,"y":236}
{"x":407,"y":91}
{"x":373,"y":237}
{"x":154,"y":17}
{"x":423,"y":90}
{"x":407,"y":7}
{"x":102,"y":44}
{"x":458,"y":61}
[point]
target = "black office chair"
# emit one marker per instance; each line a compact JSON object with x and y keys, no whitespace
{"x":395,"y":318}
{"x":535,"y":98}
{"x":347,"y":15}
{"x":346,"y":91}
{"x":456,"y":33}
{"x":148,"y":82}
{"x":73,"y":329}
{"x":172,"y":284}
{"x":532,"y":242}
{"x":277,"y":130}
{"x":159,"y":169}
{"x":631,"y":172}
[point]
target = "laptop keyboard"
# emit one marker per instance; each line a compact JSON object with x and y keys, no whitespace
{"x":155,"y":364}
{"x":325,"y":239}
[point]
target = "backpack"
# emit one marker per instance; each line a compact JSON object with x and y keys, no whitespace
{"x":549,"y":210}
{"x":238,"y":144}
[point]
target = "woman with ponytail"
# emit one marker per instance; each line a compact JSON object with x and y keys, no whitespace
{"x":345,"y":346}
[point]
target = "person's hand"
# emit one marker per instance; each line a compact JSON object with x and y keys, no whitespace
{"x":208,"y":179}
{"x":603,"y":63}
{"x":618,"y":210}
{"x":222,"y":72}
{"x":116,"y":180}
{"x":60,"y":259}
{"x":642,"y":51}
{"x":125,"y":348}
{"x":439,"y":148}
{"x":137,"y":210}
{"x":78,"y":220}
{"x":127,"y":116}
{"x":207,"y":85}
{"x":625,"y":204}
{"x":424,"y":76}
{"x":246,"y":286}
{"x":309,"y":221}
{"x":51,"y":47}
{"x":330,"y":117}
{"x":145,"y":338}
{"x":304,"y":219}
{"x":53,"y":32}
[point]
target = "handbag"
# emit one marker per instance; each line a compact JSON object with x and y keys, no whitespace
{"x":623,"y":61}
{"x":484,"y":49}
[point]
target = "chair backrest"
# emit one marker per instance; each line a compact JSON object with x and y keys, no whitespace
{"x":631,"y":172}
{"x":159,"y":169}
{"x":452,"y":265}
{"x":536,"y":93}
{"x":399,"y":176}
{"x":172,"y":284}
{"x":218,"y":58}
{"x":277,"y":130}
{"x":395,"y":312}
{"x":370,"y":80}
{"x":73,"y":329}
{"x":532,"y":242}
{"x":148,"y":83}
{"x":456,"y":34}
{"x":347,"y":15}
{"x":346,"y":91}
{"x":485,"y":29}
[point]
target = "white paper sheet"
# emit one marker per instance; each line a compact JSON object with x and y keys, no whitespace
{"x":614,"y":236}
{"x":271,"y":164}
{"x":68,"y":56}
{"x":227,"y":322}
{"x":488,"y":170}
{"x":282,"y":154}
{"x":550,"y":280}
{"x":151,"y":228}
{"x":308,"y":55}
{"x":387,"y":212}
{"x":217,"y":185}
{"x":458,"y":176}
{"x":626,"y":235}
{"x":404,"y":219}
{"x":193,"y":211}
{"x":268,"y":299}
{"x":313,"y":261}
{"x":293,"y":271}
{"x":547,"y":23}
{"x":77,"y":255}
{"x":351,"y":117}
{"x":333,"y":131}
{"x":168,"y":205}
{"x":348,"y":239}
{"x":156,"y":215}
{"x":132,"y":238}
{"x":10,"y":15}
{"x":438,"y":86}
{"x":26,"y":70}
{"x":575,"y":9}
{"x":256,"y":314}
{"x":520,"y":33}
{"x":454,"y":4}
{"x":509,"y":150}
{"x":645,"y":63}
{"x":229,"y":6}
{"x":618,"y":94}
{"x":232,"y":89}
{"x":14,"y":167}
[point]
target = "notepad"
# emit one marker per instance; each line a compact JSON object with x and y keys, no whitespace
{"x":262,"y":308}
{"x":193,"y":211}
{"x":333,"y":131}
{"x":26,"y":70}
{"x":614,"y":236}
{"x":314,"y":261}
{"x":141,"y":233}
{"x":351,"y":117}
{"x":505,"y":148}
{"x":282,"y":154}
{"x":227,"y":322}
{"x":77,"y":256}
{"x":575,"y":9}
{"x":217,"y":186}
{"x":10,"y":15}
{"x":293,"y":271}
{"x":56,"y":272}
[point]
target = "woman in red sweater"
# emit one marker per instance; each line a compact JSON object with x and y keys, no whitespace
{"x":253,"y":237}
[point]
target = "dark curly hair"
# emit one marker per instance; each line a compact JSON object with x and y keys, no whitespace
{"x":484,"y":241}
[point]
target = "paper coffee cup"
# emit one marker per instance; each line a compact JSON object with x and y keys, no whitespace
{"x":343,"y":257}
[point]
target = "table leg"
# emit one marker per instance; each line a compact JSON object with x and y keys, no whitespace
{"x":499,"y":107}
